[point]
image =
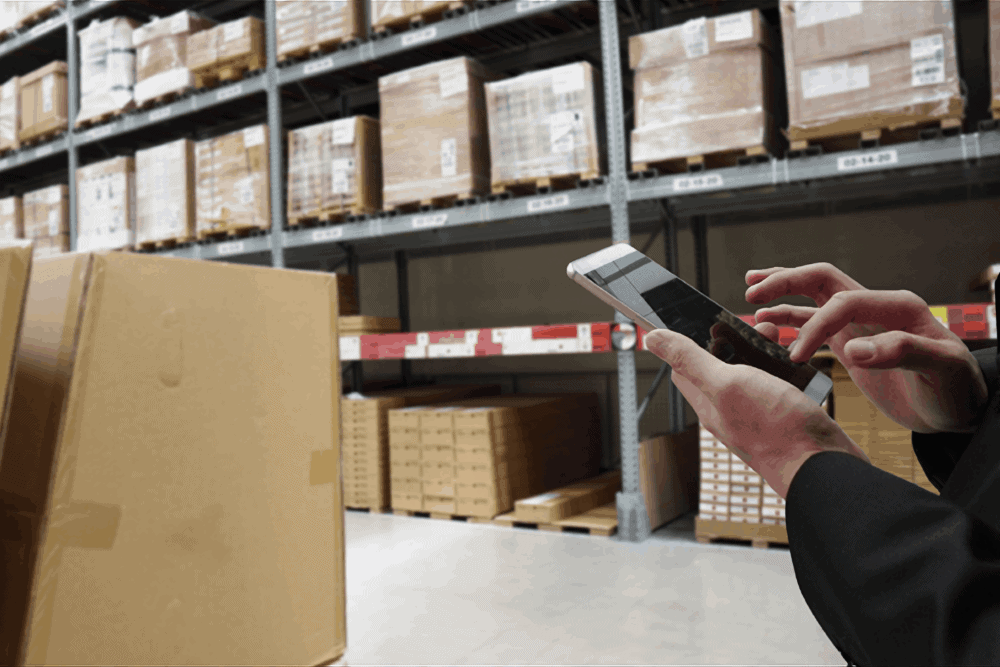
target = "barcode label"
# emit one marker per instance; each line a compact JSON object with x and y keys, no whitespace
{"x":160,"y":114}
{"x":559,"y":201}
{"x":428,"y":221}
{"x":867,"y":160}
{"x":229,"y":93}
{"x":231,"y":248}
{"x":419,"y":36}
{"x":927,"y":59}
{"x":695,"y":33}
{"x":331,"y":234}
{"x":694,"y":183}
{"x":320,"y":65}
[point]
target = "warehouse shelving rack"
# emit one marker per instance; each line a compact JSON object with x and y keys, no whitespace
{"x":958,"y":166}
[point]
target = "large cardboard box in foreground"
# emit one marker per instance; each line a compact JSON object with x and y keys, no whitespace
{"x":15,"y":271}
{"x":173,"y":500}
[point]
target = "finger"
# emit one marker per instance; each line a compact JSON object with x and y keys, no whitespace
{"x":899,"y":349}
{"x":819,"y":282}
{"x":785,"y":315}
{"x":687,"y":358}
{"x":894,"y":310}
{"x":769,"y":331}
{"x":754,"y":276}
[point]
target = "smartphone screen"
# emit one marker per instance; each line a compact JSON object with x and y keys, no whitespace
{"x":657,"y":299}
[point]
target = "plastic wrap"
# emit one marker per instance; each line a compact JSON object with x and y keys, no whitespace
{"x":545,"y":124}
{"x":853,"y":66}
{"x":107,"y":67}
{"x":698,"y":38}
{"x":242,"y":39}
{"x":44,"y":101}
{"x":232,"y":179}
{"x":10,"y":115}
{"x":105,"y":200}
{"x":165,"y":208}
{"x":316,"y":22}
{"x":11,"y":219}
{"x":46,"y":219}
{"x":161,"y":54}
{"x":435,"y":140}
{"x":15,"y":13}
{"x":387,"y":12}
{"x":334,"y":166}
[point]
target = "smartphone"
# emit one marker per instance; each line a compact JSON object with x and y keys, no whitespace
{"x":654,"y":298}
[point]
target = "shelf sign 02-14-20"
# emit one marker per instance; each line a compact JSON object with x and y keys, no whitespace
{"x":867,"y":160}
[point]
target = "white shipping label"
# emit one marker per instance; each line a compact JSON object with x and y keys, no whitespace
{"x":55,"y":194}
{"x":695,"y":34}
{"x":734,"y":27}
{"x":927,"y":56}
{"x":813,"y":12}
{"x":234,"y":30}
{"x":244,"y":191}
{"x":562,"y":130}
{"x":833,"y":79}
{"x":453,"y":80}
{"x":343,"y":131}
{"x":253,"y":136}
{"x":342,"y":170}
{"x":449,"y":157}
{"x":7,"y":206}
{"x":567,"y":79}
{"x":48,"y":91}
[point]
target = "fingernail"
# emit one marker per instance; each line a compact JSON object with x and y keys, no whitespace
{"x":862,"y":350}
{"x":656,"y":339}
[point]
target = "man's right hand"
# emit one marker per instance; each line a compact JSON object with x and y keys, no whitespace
{"x":919,"y":373}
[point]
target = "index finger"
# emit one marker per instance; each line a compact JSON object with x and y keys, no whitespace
{"x":818,"y":281}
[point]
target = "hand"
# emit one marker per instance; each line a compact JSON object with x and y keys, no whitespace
{"x":767,"y":422}
{"x":918,"y":373}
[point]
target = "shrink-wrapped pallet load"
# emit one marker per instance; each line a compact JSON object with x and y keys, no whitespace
{"x":165,"y":183}
{"x":232,"y":182}
{"x":107,"y":68}
{"x":161,"y":55}
{"x":46,"y":219}
{"x":106,"y":205}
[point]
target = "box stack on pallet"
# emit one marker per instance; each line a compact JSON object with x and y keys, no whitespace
{"x":165,"y":183}
{"x":161,"y":47}
{"x":307,"y":27}
{"x":388,"y":15}
{"x":44,"y":111}
{"x":704,"y":94}
{"x":11,"y":219}
{"x":10,"y":115}
{"x":46,"y":220}
{"x":107,"y":70}
{"x":226,"y":52}
{"x":365,"y":428}
{"x":17,"y":15}
{"x":106,"y":205}
{"x":232,"y":193}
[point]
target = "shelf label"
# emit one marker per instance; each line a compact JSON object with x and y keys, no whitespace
{"x":320,"y":65}
{"x":428,"y":221}
{"x":160,"y":114}
{"x":867,"y":160}
{"x":166,"y":254}
{"x":42,"y":151}
{"x":330,"y":234}
{"x":547,"y":204}
{"x":231,"y":248}
{"x":229,"y":93}
{"x":100,"y":132}
{"x":424,"y":35}
{"x":350,"y":348}
{"x":693,"y":183}
{"x":527,"y":5}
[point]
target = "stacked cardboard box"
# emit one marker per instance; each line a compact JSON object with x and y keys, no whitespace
{"x":11,"y":219}
{"x":995,"y":54}
{"x":15,"y":273}
{"x":165,"y":184}
{"x":335,"y":167}
{"x":162,"y":534}
{"x":545,"y":124}
{"x":668,"y":475}
{"x":395,"y":12}
{"x":730,"y":490}
{"x":43,"y":102}
{"x":569,"y":500}
{"x":306,"y":24}
{"x":232,"y":175}
{"x":10,"y":115}
{"x":856,"y":66}
{"x":106,"y":205}
{"x":477,"y":457}
{"x":18,"y":14}
{"x":237,"y":44}
{"x":435,"y":136}
{"x":703,"y":87}
{"x":161,"y":55}
{"x":365,"y":428}
{"x":107,"y":68}
{"x":46,"y":219}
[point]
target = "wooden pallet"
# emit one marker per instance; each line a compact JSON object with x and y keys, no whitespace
{"x":162,"y":244}
{"x":328,"y":216}
{"x":696,"y":163}
{"x":231,"y":231}
{"x":871,"y":138}
{"x":104,"y":117}
{"x":413,"y":21}
{"x":601,"y":521}
{"x":43,"y":138}
{"x":319,"y":49}
{"x":543,"y":185}
{"x":235,"y":69}
{"x":166,"y":98}
{"x":431,"y":204}
{"x":442,"y":516}
{"x":760,"y":536}
{"x":40,"y":15}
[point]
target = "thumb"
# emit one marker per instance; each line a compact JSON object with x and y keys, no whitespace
{"x":899,"y":349}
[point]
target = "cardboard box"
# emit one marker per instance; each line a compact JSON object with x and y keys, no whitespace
{"x":43,"y":101}
{"x":239,"y":42}
{"x":435,"y":136}
{"x":10,"y":115}
{"x":15,"y":272}
{"x":161,"y":54}
{"x":11,"y":219}
{"x":569,"y":500}
{"x":668,"y":475}
{"x":703,"y":87}
{"x":361,"y":325}
{"x":19,"y":14}
{"x":46,"y":220}
{"x":162,"y":535}
{"x":107,"y":68}
{"x":106,"y":205}
{"x":165,"y":185}
{"x":232,"y":181}
{"x":546,"y":124}
{"x":335,"y":167}
{"x":302,"y":25}
{"x":855,"y":66}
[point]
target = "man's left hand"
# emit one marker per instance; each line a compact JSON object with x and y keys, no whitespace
{"x":767,"y":422}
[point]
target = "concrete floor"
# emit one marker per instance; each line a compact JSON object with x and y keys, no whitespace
{"x":431,"y":592}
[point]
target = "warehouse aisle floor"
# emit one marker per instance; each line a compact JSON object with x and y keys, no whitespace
{"x":431,"y":592}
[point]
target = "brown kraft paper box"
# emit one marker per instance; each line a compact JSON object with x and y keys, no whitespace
{"x":46,"y":220}
{"x":158,"y":496}
{"x":10,"y":115}
{"x":303,"y":24}
{"x":11,"y":219}
{"x":165,"y":185}
{"x":161,"y":54}
{"x":232,"y":173}
{"x":43,"y":101}
{"x":105,"y":201}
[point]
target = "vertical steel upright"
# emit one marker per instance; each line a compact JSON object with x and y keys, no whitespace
{"x":276,"y":132}
{"x":633,"y":520}
{"x":72,"y":108}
